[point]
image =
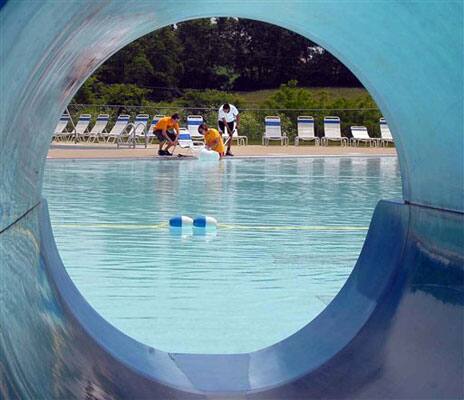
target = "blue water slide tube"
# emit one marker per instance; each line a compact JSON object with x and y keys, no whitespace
{"x":396,"y":328}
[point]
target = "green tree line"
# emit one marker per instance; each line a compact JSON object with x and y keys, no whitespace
{"x":227,"y":54}
{"x":195,"y":66}
{"x":354,"y":106}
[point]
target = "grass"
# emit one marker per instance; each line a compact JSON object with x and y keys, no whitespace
{"x":258,"y":97}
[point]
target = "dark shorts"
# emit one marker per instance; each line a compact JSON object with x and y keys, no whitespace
{"x":221,"y":126}
{"x":161,"y":138}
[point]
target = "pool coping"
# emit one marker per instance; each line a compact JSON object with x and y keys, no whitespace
{"x":256,"y":157}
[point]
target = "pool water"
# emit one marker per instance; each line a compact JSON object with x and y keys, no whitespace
{"x":289,"y":234}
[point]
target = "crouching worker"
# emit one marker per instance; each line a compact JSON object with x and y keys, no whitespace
{"x":167,"y":132}
{"x":213,"y":139}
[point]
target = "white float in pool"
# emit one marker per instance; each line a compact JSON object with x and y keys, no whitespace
{"x":208,"y":155}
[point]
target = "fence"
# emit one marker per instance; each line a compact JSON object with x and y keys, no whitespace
{"x":251,"y":119}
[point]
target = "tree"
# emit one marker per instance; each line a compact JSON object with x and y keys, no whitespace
{"x":217,"y":53}
{"x":198,"y":53}
{"x":163,"y":49}
{"x":90,"y":91}
{"x":139,"y":71}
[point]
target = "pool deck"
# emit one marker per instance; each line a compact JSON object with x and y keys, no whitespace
{"x":99,"y":151}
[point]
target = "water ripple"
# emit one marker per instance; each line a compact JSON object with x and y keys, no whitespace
{"x":289,"y":234}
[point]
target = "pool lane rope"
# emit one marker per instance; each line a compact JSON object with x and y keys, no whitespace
{"x":273,"y":228}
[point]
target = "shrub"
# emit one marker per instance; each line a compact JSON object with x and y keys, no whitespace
{"x":252,"y":125}
{"x":126,"y":94}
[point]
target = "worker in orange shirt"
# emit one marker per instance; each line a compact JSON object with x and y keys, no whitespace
{"x":167,"y":132}
{"x":213,"y":139}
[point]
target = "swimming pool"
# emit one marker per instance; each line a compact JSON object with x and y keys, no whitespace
{"x":290,"y":231}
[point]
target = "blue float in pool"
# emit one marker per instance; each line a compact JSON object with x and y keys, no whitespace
{"x":204,"y":222}
{"x":180,"y":221}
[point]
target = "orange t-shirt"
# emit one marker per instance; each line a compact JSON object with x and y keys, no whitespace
{"x":166,"y":124}
{"x":210,"y":137}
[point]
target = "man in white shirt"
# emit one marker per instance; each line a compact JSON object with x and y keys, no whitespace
{"x":228,"y":121}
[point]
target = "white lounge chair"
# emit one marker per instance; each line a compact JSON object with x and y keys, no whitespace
{"x":127,"y":137}
{"x":273,"y":131}
{"x":305,"y":127}
{"x":241,"y":139}
{"x":149,"y":136}
{"x":360,"y":134}
{"x":385,"y":134}
{"x":193,"y":122}
{"x":82,"y":127}
{"x":61,"y":133}
{"x":140,"y":128}
{"x":332,"y":131}
{"x":99,"y":129}
{"x":119,"y":126}
{"x":185,"y":141}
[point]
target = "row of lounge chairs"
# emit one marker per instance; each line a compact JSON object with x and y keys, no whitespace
{"x":332,"y":132}
{"x":140,"y":131}
{"x":123,"y":131}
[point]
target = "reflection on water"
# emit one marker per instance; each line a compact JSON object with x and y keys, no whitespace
{"x":289,"y":234}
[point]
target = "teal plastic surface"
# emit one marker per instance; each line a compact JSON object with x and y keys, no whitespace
{"x":404,"y":328}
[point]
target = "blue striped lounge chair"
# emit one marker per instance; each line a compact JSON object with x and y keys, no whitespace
{"x":273,"y":131}
{"x":193,"y":122}
{"x":121,"y":124}
{"x":332,"y":131}
{"x":305,"y":126}
{"x":140,"y":128}
{"x":185,"y":141}
{"x":98,"y":131}
{"x":361,"y":135}
{"x":82,"y":127}
{"x":61,"y":133}
{"x":385,"y":134}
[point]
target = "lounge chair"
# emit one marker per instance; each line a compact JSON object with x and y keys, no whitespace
{"x":99,"y":129}
{"x":305,"y":127}
{"x":193,"y":122}
{"x":241,"y":139}
{"x":332,"y":131}
{"x":360,"y":134}
{"x":273,"y":131}
{"x":185,"y":141}
{"x":385,"y":134}
{"x":82,"y":127}
{"x":61,"y":133}
{"x":149,"y":136}
{"x":140,"y":128}
{"x":126,"y":137}
{"x":120,"y":125}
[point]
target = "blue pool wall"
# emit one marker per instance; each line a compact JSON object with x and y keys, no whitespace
{"x":408,"y":55}
{"x":396,"y":328}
